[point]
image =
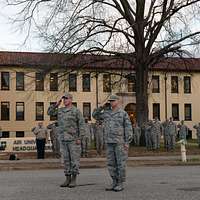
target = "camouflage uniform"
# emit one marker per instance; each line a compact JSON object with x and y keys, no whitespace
{"x":148,"y":135}
{"x":85,"y":141}
{"x":197,"y":127}
{"x":183,"y":131}
{"x":54,"y":138}
{"x":118,"y":131}
{"x":136,"y":135}
{"x":99,"y":136}
{"x":157,"y":129}
{"x":172,"y":134}
{"x":166,"y":134}
{"x":71,"y":126}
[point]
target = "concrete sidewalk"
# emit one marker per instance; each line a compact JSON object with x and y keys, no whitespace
{"x":33,"y":164}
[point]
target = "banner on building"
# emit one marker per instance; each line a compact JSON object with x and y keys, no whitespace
{"x":27,"y":144}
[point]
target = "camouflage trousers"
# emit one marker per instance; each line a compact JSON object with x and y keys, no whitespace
{"x":71,"y":157}
{"x":158,"y":136}
{"x":99,"y":143}
{"x":85,"y":145}
{"x":170,"y":142}
{"x":116,"y":161}
{"x":56,"y":146}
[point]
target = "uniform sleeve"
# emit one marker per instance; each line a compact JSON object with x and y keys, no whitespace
{"x":36,"y":130}
{"x":81,"y":125}
{"x":128,"y":130}
{"x":52,"y":110}
{"x":98,"y":113}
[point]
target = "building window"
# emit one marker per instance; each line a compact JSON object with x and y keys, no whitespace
{"x":19,"y":110}
{"x":174,"y":84}
{"x":5,"y":134}
{"x":39,"y":111}
{"x":5,"y":81}
{"x":53,"y":81}
{"x":74,"y":104}
{"x":175,"y":111}
{"x":155,"y":84}
{"x":106,"y":83}
{"x":156,"y":110}
{"x":19,"y":133}
{"x":5,"y":111}
{"x":86,"y":83}
{"x":19,"y":80}
{"x":131,"y":84}
{"x":87,"y":110}
{"x":39,"y":82}
{"x":72,"y":82}
{"x":187,"y":84}
{"x":188,"y":112}
{"x":53,"y":117}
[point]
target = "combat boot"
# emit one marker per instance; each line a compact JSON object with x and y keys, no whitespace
{"x":73,"y":181}
{"x":119,"y":187}
{"x":112,"y":186}
{"x":67,"y":181}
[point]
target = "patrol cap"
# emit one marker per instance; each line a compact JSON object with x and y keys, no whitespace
{"x":67,"y":96}
{"x":113,"y":97}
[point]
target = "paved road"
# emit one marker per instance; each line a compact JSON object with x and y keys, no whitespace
{"x":143,"y":183}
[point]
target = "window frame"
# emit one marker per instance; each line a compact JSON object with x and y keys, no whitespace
{"x":70,"y":77}
{"x":84,"y":82}
{"x":84,"y":114}
{"x":36,"y":116}
{"x":174,"y":117}
{"x":157,"y":114}
{"x":185,"y":89}
{"x":19,"y":75}
{"x":190,"y":116}
{"x":173,"y":91}
{"x":39,"y":81}
{"x":53,"y":82}
{"x":18,"y":134}
{"x":157,"y":79}
{"x":8,"y":116}
{"x":23,"y":118}
{"x":8,"y":76}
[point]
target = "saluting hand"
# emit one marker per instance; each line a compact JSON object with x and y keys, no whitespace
{"x":59,"y":102}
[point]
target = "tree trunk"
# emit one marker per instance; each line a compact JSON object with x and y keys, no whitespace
{"x":142,"y":110}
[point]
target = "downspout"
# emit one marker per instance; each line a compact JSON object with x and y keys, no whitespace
{"x":165,"y":95}
{"x":97,"y":90}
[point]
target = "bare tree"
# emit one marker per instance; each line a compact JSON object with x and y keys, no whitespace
{"x":138,"y":31}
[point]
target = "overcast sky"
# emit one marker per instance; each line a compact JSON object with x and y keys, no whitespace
{"x":12,"y":38}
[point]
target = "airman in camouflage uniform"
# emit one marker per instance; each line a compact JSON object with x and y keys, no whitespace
{"x":172,"y":134}
{"x":166,"y":133}
{"x":99,"y":136}
{"x":183,"y":131}
{"x":54,"y":138}
{"x":157,"y":130}
{"x":85,"y":141}
{"x":197,"y":127}
{"x":118,"y":134}
{"x":148,"y":134}
{"x":71,"y":128}
{"x":136,"y":134}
